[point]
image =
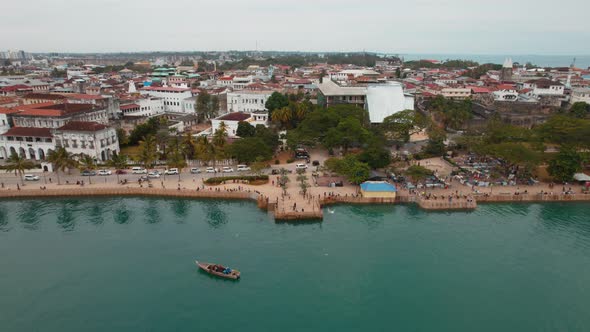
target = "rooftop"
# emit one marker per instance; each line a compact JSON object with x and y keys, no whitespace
{"x":330,"y":88}
{"x":236,"y":116}
{"x":82,"y":126}
{"x":28,"y":132}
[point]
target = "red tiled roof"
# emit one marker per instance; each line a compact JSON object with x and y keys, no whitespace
{"x":47,"y":96}
{"x":236,"y":116}
{"x":82,"y":126}
{"x":128,"y":106}
{"x":162,"y":88}
{"x":4,"y":110}
{"x":28,"y":131}
{"x":82,"y":96}
{"x":50,"y":109}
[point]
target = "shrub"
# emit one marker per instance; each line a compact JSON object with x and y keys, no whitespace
{"x":249,"y":178}
{"x":290,"y":160}
{"x":277,"y":161}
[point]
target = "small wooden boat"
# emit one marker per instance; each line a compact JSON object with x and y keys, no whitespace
{"x":219,"y":270}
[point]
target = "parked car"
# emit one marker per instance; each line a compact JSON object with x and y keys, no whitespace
{"x":172,"y":171}
{"x":139,"y":170}
{"x":301,"y":166}
{"x":104,"y":172}
{"x":143,"y":178}
{"x":243,"y":168}
{"x":195,"y":170}
{"x":88,"y":173}
{"x":210,"y":170}
{"x":31,"y":177}
{"x":120,"y":171}
{"x":154,"y":175}
{"x":226,"y":169}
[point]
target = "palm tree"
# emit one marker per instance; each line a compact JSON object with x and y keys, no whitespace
{"x":61,"y":160}
{"x":283,"y":116}
{"x":189,"y":145}
{"x":219,"y":142}
{"x":175,"y":156}
{"x":86,"y":162}
{"x":148,"y":151}
{"x":19,"y":165}
{"x":203,"y":149}
{"x":118,"y":162}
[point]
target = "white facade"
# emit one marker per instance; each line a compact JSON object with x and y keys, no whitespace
{"x":188,"y":104}
{"x":384,"y":100}
{"x":505,"y":95}
{"x":33,"y":146}
{"x":171,"y":97}
{"x":99,"y":144}
{"x":580,"y":95}
{"x":247,"y":101}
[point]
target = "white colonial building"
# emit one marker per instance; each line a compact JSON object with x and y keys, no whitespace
{"x":90,"y":138}
{"x":231,"y":121}
{"x":580,"y":95}
{"x":27,"y":142}
{"x":171,"y":97}
{"x":545,"y":87}
{"x":247,"y":101}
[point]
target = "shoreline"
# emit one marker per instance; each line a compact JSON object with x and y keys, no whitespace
{"x":277,"y":207}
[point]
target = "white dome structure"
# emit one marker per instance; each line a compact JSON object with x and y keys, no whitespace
{"x":387,"y":99}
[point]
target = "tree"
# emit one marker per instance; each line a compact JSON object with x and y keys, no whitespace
{"x":350,"y":167}
{"x":376,"y":155}
{"x":189,"y":145}
{"x":580,"y":110}
{"x":18,"y":165}
{"x":202,"y":106}
{"x":245,"y":129}
{"x":175,"y":157}
{"x":258,"y":166}
{"x":275,"y":101}
{"x":86,"y":162}
{"x":401,"y":125}
{"x":348,"y":132}
{"x":122,"y":137}
{"x":219,"y":142}
{"x":435,"y":145}
{"x":418,"y":173}
{"x":283,"y":180}
{"x":118,"y":162}
{"x":567,"y":162}
{"x":203,"y":149}
{"x":143,"y":130}
{"x":61,"y":160}
{"x":249,"y":149}
{"x":303,"y":184}
{"x":148,"y":151}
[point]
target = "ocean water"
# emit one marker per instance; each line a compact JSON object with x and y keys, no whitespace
{"x":581,"y":61}
{"x":127,"y":264}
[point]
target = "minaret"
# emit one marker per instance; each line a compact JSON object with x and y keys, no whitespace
{"x":132,"y":88}
{"x":568,"y":83}
{"x":506,"y":74}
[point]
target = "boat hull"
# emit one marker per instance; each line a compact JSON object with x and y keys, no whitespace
{"x":234,"y":275}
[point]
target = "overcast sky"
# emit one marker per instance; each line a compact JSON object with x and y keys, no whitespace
{"x":409,"y":26}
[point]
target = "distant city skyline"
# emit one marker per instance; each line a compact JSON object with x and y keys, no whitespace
{"x":424,"y":26}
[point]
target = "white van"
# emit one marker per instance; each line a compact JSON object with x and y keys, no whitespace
{"x":243,"y":168}
{"x":138,"y":170}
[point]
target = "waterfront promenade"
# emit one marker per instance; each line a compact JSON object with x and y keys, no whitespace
{"x":292,"y":204}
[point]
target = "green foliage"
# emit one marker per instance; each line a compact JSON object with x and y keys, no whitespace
{"x":481,"y":70}
{"x":514,"y":154}
{"x":315,"y":126}
{"x":350,"y":167}
{"x":448,"y":64}
{"x":418,"y":173}
{"x":275,"y":101}
{"x":376,"y":155}
{"x":435,"y":146}
{"x":175,"y":156}
{"x":61,"y":160}
{"x":206,"y":106}
{"x":580,"y":110}
{"x":250,"y":149}
{"x":122,"y":137}
{"x":148,"y":151}
{"x":245,"y":129}
{"x":565,"y":130}
{"x":454,"y":114}
{"x":567,"y":162}
{"x":401,"y":125}
{"x":150,"y":127}
{"x":18,"y":165}
{"x":249,"y":178}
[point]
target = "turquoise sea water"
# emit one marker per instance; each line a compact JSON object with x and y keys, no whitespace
{"x":126,"y":264}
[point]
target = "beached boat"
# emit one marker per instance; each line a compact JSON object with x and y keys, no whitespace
{"x":219,"y":270}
